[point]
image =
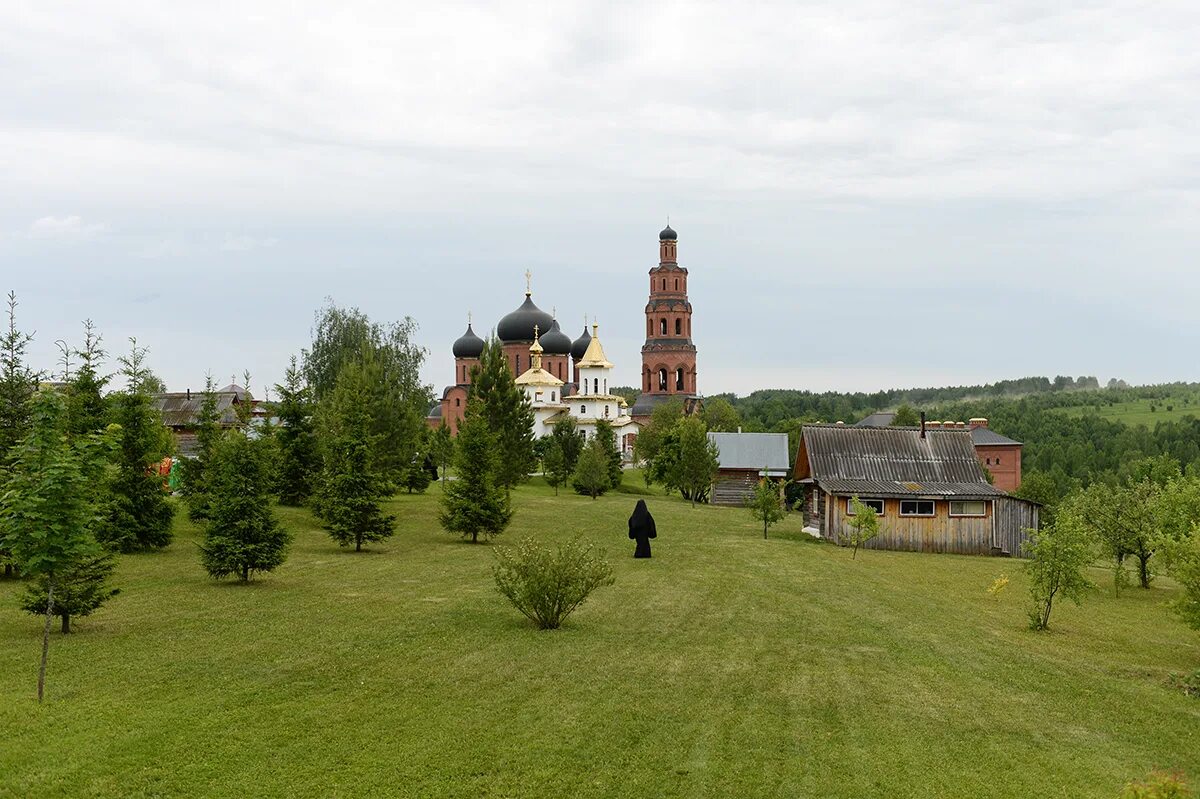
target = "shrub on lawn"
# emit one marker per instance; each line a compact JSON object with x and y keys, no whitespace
{"x":548,"y":584}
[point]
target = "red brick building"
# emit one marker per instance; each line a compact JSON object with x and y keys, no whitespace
{"x":668,"y":356}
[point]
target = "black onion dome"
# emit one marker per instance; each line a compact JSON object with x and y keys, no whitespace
{"x":579,"y":348}
{"x":468,"y":345}
{"x":518,"y":325}
{"x":556,"y":342}
{"x":668,"y":234}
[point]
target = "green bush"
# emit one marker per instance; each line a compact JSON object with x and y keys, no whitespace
{"x":548,"y":584}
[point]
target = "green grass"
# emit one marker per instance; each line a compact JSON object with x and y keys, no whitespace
{"x":724,"y":666}
{"x":1137,"y":412}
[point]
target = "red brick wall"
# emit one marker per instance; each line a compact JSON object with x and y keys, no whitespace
{"x":1004,"y":462}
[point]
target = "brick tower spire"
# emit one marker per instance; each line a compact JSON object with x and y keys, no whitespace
{"x":668,"y":356}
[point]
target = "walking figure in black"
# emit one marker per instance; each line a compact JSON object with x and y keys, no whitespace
{"x":641,"y":529}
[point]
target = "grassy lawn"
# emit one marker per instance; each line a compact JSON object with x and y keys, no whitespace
{"x":1135,"y":412}
{"x":724,"y":666}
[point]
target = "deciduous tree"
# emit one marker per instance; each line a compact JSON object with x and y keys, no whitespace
{"x":764,"y":504}
{"x":863,"y":524}
{"x":698,"y":460}
{"x":1058,"y":555}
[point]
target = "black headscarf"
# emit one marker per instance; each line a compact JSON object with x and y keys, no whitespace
{"x":641,"y":523}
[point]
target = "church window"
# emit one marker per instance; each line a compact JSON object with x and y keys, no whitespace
{"x":457,"y":402}
{"x":664,"y":284}
{"x":606,"y":410}
{"x":464,"y":373}
{"x":679,"y":379}
{"x":582,"y":409}
{"x":678,"y":327}
{"x":662,"y":327}
{"x":552,"y":396}
{"x":518,"y":362}
{"x":606,"y":385}
{"x":662,"y":379}
{"x":537,"y":396}
{"x":595,"y":385}
{"x":677,"y":284}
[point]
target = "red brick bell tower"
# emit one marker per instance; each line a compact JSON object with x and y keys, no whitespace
{"x":668,"y":356}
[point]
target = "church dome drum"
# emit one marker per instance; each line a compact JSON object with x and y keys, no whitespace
{"x":468,"y":345}
{"x":518,"y":325}
{"x":556,"y":342}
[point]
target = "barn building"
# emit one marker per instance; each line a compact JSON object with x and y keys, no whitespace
{"x":746,"y":458}
{"x":927,"y":485}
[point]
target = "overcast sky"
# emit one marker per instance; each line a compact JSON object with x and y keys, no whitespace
{"x":867,"y":194}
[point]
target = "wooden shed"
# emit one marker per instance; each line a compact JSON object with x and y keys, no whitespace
{"x":926,"y":485}
{"x":746,"y":458}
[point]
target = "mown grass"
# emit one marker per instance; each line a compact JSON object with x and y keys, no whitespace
{"x":1138,"y":412}
{"x":725,"y":666}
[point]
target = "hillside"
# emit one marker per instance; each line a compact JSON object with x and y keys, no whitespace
{"x":725,"y":666}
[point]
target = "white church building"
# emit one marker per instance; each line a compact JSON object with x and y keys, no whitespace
{"x":552,"y":399}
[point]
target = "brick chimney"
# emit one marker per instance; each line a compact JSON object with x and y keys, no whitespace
{"x":978,"y":422}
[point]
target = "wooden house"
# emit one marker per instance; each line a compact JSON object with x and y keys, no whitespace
{"x":180,"y":411}
{"x":927,"y":486}
{"x":745,"y":458}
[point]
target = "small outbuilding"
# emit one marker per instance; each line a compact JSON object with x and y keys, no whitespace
{"x":927,"y":486}
{"x":746,"y":458}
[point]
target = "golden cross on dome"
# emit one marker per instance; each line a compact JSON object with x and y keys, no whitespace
{"x":528,"y":282}
{"x":535,"y":332}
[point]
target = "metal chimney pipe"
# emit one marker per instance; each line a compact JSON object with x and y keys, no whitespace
{"x":922,"y":424}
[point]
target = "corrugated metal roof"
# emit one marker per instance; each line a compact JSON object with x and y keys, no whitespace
{"x":877,"y":419}
{"x":752,"y":450}
{"x":911,"y":488}
{"x":894,"y":456}
{"x":178,"y":409}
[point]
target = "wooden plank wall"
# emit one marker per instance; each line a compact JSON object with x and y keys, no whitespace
{"x":963,"y":535}
{"x":1014,"y":518}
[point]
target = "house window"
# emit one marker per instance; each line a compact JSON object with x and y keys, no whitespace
{"x":973,"y":507}
{"x":916,"y":507}
{"x":875,"y":504}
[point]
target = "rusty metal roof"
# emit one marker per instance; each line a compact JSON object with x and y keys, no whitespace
{"x":895,"y":461}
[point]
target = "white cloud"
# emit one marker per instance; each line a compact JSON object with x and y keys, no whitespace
{"x":64,"y":227}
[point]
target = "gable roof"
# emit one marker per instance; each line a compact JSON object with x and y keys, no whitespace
{"x":987,"y":437}
{"x":752,"y":451}
{"x":892,"y":461}
{"x":182,"y":409}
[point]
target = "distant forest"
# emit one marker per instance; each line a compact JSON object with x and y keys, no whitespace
{"x":1074,"y":431}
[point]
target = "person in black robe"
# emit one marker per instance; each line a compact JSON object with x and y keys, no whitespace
{"x":641,"y":529}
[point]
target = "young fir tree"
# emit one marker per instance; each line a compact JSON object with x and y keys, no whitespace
{"x":139,"y":512}
{"x":442,"y":449}
{"x":243,"y":536}
{"x":298,"y":462}
{"x":208,"y":433}
{"x":48,"y":509}
{"x":764,"y":504}
{"x":507,"y":412}
{"x":351,"y":486}
{"x":88,"y":409}
{"x":17,"y":384}
{"x":604,"y":434}
{"x":77,"y":592}
{"x":591,"y":476}
{"x":474,"y":503}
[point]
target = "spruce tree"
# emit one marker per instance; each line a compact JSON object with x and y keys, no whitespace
{"x":507,"y":412}
{"x":208,"y":433}
{"x":48,"y":510}
{"x":474,"y":503}
{"x":351,"y":486}
{"x":139,"y":513}
{"x":88,"y":408}
{"x":298,"y":462}
{"x":17,"y":384}
{"x":79,"y":591}
{"x":554,"y":465}
{"x":243,"y":536}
